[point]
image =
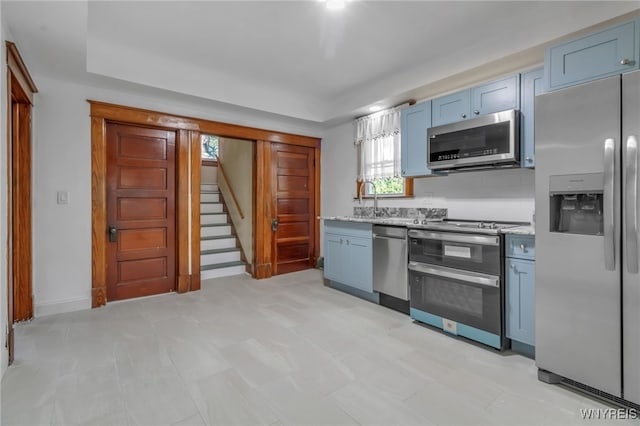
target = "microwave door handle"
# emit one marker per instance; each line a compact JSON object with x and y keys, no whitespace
{"x":609,"y":209}
{"x":479,"y":279}
{"x":631,"y":206}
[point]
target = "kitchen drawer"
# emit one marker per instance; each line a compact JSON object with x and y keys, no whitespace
{"x":520,"y":246}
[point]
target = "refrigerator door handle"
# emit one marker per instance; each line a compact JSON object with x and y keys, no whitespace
{"x":631,"y":199}
{"x":609,"y":191}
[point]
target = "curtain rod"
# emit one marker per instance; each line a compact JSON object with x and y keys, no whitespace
{"x":408,"y":103}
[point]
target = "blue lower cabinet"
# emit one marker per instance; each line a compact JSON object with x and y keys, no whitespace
{"x":348,"y":256}
{"x":520,"y":297}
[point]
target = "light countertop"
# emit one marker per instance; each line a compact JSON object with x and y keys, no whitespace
{"x":408,"y":222}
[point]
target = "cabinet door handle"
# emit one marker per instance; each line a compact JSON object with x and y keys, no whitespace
{"x":476,"y":112}
{"x":522,"y":247}
{"x":463,"y":115}
{"x":347,"y":242}
{"x":527,"y":158}
{"x":626,"y":61}
{"x":340,"y":241}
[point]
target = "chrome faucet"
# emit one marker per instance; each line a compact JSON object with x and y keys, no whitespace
{"x":375,"y":195}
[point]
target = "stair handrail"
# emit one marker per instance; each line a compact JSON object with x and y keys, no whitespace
{"x":233,"y":195}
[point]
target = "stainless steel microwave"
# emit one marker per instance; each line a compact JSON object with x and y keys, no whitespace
{"x":492,"y":140}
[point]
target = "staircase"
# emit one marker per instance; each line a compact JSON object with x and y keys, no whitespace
{"x":219,"y":256}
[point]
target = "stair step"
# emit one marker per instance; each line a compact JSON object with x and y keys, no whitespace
{"x":216,"y":243}
{"x":217,"y":237}
{"x":209,"y":197}
{"x":222,"y":250}
{"x":213,"y":218}
{"x":238,"y":268}
{"x":221,"y":265}
{"x":209,"y":187}
{"x":220,"y":256}
{"x":211,"y":208}
{"x":215,"y":230}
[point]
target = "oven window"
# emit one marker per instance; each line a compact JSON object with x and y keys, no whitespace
{"x":471,"y":304}
{"x":467,"y":256}
{"x":450,"y":295}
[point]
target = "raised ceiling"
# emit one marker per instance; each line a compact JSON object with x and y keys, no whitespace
{"x":293,"y":58}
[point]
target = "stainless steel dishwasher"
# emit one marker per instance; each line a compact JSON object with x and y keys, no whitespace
{"x":390,"y":266}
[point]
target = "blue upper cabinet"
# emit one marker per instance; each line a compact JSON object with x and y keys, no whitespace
{"x":413,"y":135}
{"x":450,"y":108}
{"x":499,"y":95}
{"x":611,"y":51}
{"x":532,"y":85}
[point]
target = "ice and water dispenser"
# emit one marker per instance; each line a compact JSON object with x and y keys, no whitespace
{"x":576,"y":204}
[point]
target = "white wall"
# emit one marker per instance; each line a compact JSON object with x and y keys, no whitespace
{"x":209,"y":175}
{"x":62,"y":161}
{"x":236,"y":156}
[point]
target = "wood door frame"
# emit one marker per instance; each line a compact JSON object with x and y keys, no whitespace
{"x":20,"y":92}
{"x":188,"y":161}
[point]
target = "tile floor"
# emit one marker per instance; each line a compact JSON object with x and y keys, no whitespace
{"x":282,"y":351}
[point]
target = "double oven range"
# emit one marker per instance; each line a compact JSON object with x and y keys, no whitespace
{"x":456,"y":278}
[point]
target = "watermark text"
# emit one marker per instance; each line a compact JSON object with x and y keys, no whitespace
{"x":609,"y":414}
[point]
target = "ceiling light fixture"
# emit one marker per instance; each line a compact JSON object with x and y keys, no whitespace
{"x":334,"y":4}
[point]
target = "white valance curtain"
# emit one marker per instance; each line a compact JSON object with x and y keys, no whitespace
{"x":378,"y":142}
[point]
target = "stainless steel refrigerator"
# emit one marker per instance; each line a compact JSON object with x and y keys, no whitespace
{"x":587,"y":204}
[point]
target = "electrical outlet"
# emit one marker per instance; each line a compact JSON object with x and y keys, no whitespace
{"x":63,"y":197}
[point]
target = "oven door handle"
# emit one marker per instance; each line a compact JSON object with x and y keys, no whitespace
{"x":456,"y":238}
{"x":474,"y":278}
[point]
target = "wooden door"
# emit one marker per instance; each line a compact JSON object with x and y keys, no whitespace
{"x":293,"y":198}
{"x":140,"y":211}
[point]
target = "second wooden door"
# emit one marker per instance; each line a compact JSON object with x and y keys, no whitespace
{"x":293,"y":198}
{"x":140,"y":211}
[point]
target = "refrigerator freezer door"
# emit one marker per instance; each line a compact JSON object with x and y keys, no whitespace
{"x":631,"y":279}
{"x":578,"y":334}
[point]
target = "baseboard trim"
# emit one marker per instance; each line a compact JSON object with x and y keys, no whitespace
{"x":62,"y":306}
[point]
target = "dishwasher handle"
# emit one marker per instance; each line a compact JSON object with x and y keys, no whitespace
{"x":383,"y":237}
